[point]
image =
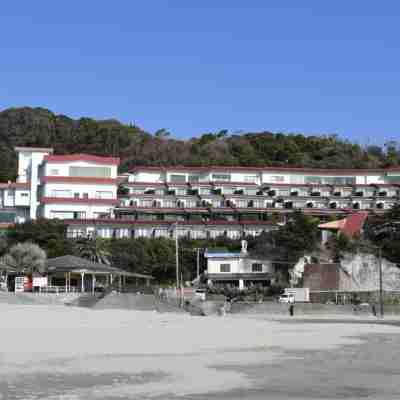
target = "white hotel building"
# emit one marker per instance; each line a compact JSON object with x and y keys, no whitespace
{"x":198,"y":202}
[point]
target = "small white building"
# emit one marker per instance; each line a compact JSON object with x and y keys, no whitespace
{"x":238,"y":269}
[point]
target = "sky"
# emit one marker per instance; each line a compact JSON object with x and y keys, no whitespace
{"x":191,"y":67}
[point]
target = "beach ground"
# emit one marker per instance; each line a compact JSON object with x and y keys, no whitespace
{"x":58,"y":352}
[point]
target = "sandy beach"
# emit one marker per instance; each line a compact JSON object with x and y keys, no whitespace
{"x":58,"y":352}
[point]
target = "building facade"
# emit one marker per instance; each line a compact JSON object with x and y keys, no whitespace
{"x":238,"y":270}
{"x":198,"y":202}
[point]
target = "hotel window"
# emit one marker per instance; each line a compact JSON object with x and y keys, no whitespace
{"x":24,"y":194}
{"x":76,"y":195}
{"x":54,"y":172}
{"x":227,"y":190}
{"x":251,"y":192}
{"x":250,"y":178}
{"x":205,"y":191}
{"x":104,"y":195}
{"x":256,"y":267}
{"x":61,"y":193}
{"x":193,"y":178}
{"x":136,"y":191}
{"x":180,"y":192}
{"x":225,"y":268}
{"x":90,"y":172}
{"x":177,"y":178}
{"x":10,"y":193}
{"x":276,"y":178}
{"x":221,"y":177}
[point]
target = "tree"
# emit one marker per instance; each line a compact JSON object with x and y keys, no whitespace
{"x":384,"y":232}
{"x":50,"y":235}
{"x":26,"y":258}
{"x":95,"y":250}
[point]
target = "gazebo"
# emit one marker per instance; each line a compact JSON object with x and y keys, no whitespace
{"x":80,"y":274}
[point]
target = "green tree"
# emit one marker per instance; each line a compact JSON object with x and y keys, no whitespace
{"x":96,"y":250}
{"x":50,"y":235}
{"x":26,"y":258}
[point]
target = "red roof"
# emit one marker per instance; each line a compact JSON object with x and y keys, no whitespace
{"x":82,"y":157}
{"x":350,"y":226}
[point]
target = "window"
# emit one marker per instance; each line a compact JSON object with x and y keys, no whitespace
{"x":10,"y":193}
{"x":68,"y":214}
{"x":76,"y":195}
{"x":221,"y":177}
{"x":251,"y":192}
{"x":104,"y":195}
{"x":136,"y":191}
{"x":85,"y":195}
{"x":24,"y":194}
{"x":256,"y":267}
{"x":277,"y":178}
{"x":193,"y":178}
{"x":54,"y":172}
{"x":250,"y":178}
{"x":61,"y":193}
{"x":90,"y":172}
{"x":174,"y":178}
{"x":335,"y":180}
{"x":205,"y":191}
{"x":225,"y":267}
{"x":180,"y":192}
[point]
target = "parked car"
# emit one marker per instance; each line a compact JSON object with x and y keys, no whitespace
{"x":286,"y":298}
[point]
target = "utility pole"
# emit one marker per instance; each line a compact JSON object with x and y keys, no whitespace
{"x":176,"y":255}
{"x":380,"y":281}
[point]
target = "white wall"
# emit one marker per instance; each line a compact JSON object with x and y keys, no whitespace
{"x":239,"y":265}
{"x":22,"y":198}
{"x":62,"y":168}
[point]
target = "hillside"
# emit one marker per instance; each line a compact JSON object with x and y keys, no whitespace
{"x":40,"y":127}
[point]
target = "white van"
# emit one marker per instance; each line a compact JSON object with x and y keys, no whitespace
{"x":286,"y":298}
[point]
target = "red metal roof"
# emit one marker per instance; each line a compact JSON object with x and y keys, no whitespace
{"x":81,"y":157}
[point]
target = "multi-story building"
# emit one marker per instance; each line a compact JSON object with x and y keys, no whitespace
{"x":56,"y":186}
{"x":199,"y":202}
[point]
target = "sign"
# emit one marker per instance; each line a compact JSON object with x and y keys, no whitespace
{"x":19,"y":283}
{"x":40,"y":281}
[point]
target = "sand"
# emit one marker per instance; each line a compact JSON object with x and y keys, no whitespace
{"x":58,"y":352}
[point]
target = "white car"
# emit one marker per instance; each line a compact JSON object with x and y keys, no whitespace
{"x":286,"y":298}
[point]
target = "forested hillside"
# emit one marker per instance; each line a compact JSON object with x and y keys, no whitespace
{"x":41,"y":127}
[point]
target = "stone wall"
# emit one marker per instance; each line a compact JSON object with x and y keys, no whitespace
{"x":361,"y":272}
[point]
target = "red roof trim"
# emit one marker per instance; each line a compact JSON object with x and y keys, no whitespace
{"x":64,"y":200}
{"x":326,"y":171}
{"x":73,"y":179}
{"x":82,"y":157}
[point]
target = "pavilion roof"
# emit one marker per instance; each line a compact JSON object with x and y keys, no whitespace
{"x":78,"y":264}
